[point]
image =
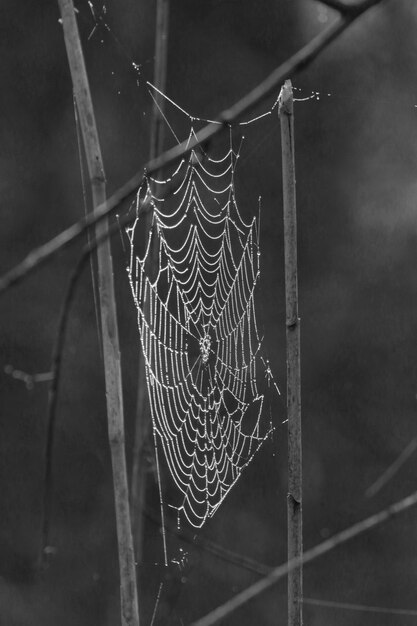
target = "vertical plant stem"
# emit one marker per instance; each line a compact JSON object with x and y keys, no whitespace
{"x":139,"y":467}
{"x":110,"y":338}
{"x":294,"y":498}
{"x":160,"y":77}
{"x":142,"y":430}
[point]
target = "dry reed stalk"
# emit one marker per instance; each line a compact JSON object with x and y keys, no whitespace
{"x":110,"y":338}
{"x":294,"y":497}
{"x":139,"y":475}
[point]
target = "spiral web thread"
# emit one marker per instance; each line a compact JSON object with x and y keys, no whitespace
{"x":198,"y":328}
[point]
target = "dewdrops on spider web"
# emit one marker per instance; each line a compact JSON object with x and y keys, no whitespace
{"x":313,"y":95}
{"x":100,"y":28}
{"x":269,"y":375}
{"x":99,"y":18}
{"x":138,"y":70}
{"x":198,"y":328}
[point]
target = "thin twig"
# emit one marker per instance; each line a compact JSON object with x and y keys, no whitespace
{"x":55,"y":378}
{"x":57,"y":355}
{"x":282,"y":570}
{"x":29,"y":380}
{"x":360,"y":607}
{"x":392,"y":469}
{"x":349,"y":8}
{"x":256,"y":567}
{"x":156,"y":603}
{"x":139,"y":468}
{"x":293,"y":65}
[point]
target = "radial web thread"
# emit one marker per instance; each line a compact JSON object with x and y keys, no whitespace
{"x":198,"y":329}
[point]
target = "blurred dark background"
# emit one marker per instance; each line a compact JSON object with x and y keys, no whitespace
{"x":356,"y":185}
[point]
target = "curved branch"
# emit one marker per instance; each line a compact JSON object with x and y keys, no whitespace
{"x":293,"y":65}
{"x":350,"y":9}
{"x":52,"y":404}
{"x":55,"y":377}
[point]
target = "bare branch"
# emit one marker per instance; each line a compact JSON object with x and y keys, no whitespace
{"x":392,"y":469}
{"x":55,"y":377}
{"x":337,"y":5}
{"x":293,"y":65}
{"x":282,"y":570}
{"x":350,"y":9}
{"x":52,"y":405}
{"x":347,"y":606}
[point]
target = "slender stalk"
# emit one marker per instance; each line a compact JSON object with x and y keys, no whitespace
{"x":294,"y":498}
{"x":142,"y":429}
{"x":160,"y":78}
{"x":111,"y":351}
{"x":139,"y":475}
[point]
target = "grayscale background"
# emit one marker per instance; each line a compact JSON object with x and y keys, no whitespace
{"x":356,"y":183}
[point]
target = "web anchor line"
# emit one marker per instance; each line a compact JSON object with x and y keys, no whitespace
{"x":198,"y":329}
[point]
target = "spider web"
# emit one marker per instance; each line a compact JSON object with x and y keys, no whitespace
{"x":198,"y":329}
